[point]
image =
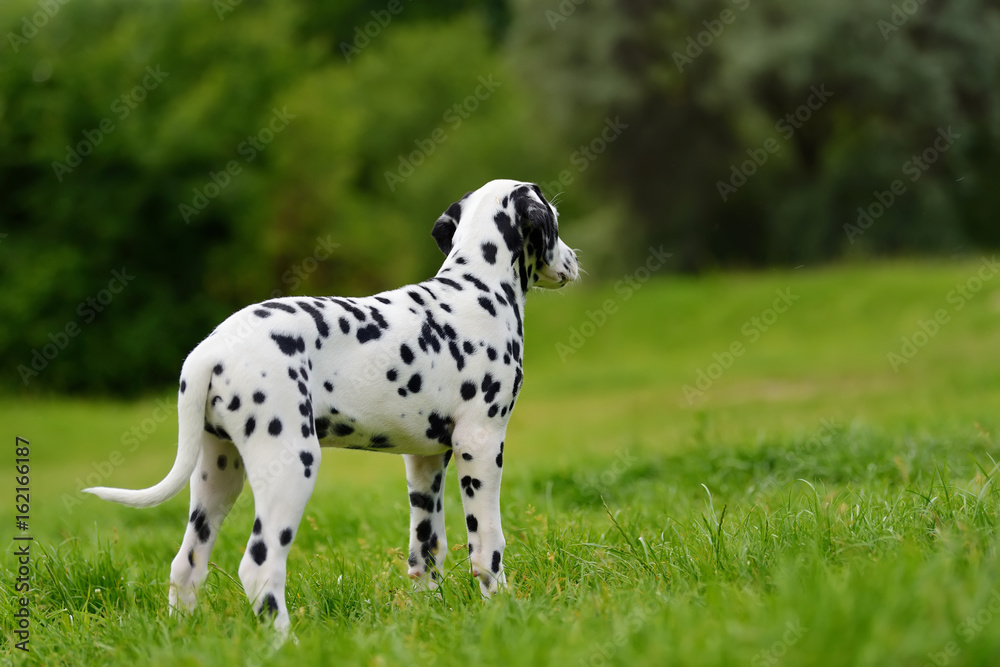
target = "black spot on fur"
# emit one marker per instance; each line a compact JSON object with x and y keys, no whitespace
{"x":511,"y":237}
{"x":449,"y":282}
{"x":414,"y":384}
{"x":285,"y":537}
{"x":218,"y":369}
{"x":322,"y":427}
{"x":412,"y":560}
{"x":260,"y":312}
{"x":306,"y":431}
{"x":292,"y":374}
{"x":278,"y":306}
{"x":424,"y":530}
{"x":345,"y":326}
{"x":490,"y":252}
{"x":368,"y":333}
{"x":274,"y":428}
{"x":328,"y":386}
{"x":257,"y":526}
{"x":406,"y":354}
{"x":381,"y":442}
{"x":496,"y":562}
{"x":191,"y":557}
{"x":289,"y":345}
{"x":468,"y":390}
{"x":234,"y":404}
{"x":456,"y":354}
{"x":184,"y":385}
{"x":493,"y":411}
{"x":487,"y":306}
{"x":472,"y":523}
{"x":269,"y":607}
{"x":306,"y":458}
{"x":490,"y":388}
{"x":491,"y":353}
{"x":222,"y":461}
{"x":258,"y":397}
{"x":200,"y":522}
{"x":249,"y":427}
{"x":436,"y":484}
{"x":379,"y":320}
{"x":422,"y":500}
{"x":500,"y":457}
{"x":343,"y":429}
{"x":391,"y":375}
{"x":466,"y":456}
{"x":470,"y":485}
{"x":321,"y":326}
{"x":416,"y":297}
{"x":258,"y":551}
{"x":468,"y":347}
{"x":439,"y":428}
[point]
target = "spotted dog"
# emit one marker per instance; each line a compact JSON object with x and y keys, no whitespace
{"x":427,"y":371}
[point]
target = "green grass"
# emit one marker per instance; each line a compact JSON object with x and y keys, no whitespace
{"x":813,"y":507}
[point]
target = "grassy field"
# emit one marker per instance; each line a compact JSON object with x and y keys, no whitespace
{"x":808,"y":499}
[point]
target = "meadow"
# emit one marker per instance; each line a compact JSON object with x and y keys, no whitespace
{"x":795,"y":467}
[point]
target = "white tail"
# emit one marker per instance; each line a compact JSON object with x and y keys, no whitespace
{"x":197,"y":372}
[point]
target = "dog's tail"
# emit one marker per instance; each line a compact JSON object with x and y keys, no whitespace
{"x":196,"y":375}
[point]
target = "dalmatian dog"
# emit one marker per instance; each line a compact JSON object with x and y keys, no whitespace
{"x":429,"y":371}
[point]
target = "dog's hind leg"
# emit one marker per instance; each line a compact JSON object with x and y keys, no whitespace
{"x":215,"y":485}
{"x":428,"y":543}
{"x":282,"y":471}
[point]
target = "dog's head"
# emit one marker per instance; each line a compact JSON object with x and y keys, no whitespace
{"x":509,"y":224}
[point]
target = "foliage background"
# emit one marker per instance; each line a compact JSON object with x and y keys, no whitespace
{"x":362,"y":103}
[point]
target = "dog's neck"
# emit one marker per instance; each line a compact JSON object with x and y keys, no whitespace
{"x":512,"y":279}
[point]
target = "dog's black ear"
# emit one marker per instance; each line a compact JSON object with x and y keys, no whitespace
{"x":532,"y":209}
{"x":444,"y":228}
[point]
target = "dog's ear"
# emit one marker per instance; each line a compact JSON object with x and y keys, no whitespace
{"x":444,"y":228}
{"x":532,"y":209}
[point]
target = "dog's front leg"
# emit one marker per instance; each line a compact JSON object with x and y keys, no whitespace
{"x":428,"y":543}
{"x":479,"y":461}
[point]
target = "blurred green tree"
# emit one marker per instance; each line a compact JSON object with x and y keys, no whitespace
{"x":707,"y":88}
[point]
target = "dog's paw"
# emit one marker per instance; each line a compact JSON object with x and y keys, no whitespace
{"x":490,"y":584}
